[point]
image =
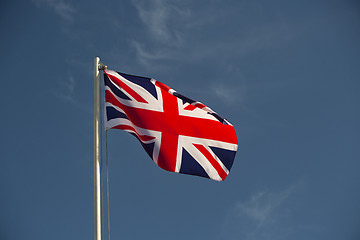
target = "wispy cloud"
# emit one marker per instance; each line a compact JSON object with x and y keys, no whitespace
{"x":162,"y":21}
{"x":228,"y":87}
{"x":174,"y":32}
{"x":146,"y":54}
{"x":227,"y":92}
{"x":63,"y":9}
{"x":156,"y":15}
{"x":265,"y":215}
{"x":67,"y":94}
{"x":262,"y":206}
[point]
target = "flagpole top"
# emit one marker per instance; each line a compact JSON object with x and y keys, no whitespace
{"x":102,"y":66}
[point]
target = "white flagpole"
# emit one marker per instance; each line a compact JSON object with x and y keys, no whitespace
{"x":97,"y":204}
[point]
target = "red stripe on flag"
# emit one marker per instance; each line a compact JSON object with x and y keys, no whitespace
{"x":189,"y":107}
{"x":212,"y":160}
{"x":139,"y":117}
{"x":199,"y":105}
{"x":163,"y":86}
{"x":170,"y":132}
{"x":144,"y":138}
{"x":129,"y":90}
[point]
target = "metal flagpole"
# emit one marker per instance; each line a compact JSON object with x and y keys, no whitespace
{"x":97,"y":205}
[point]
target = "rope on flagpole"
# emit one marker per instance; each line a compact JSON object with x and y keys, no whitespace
{"x":101,"y":169}
{"x":107,"y":185}
{"x":102,"y":197}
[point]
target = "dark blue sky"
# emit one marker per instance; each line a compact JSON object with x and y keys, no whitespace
{"x":284,"y":73}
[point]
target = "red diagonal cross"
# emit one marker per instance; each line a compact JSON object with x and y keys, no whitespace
{"x":171,"y":125}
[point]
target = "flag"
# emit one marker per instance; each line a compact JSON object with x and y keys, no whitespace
{"x":178,"y":133}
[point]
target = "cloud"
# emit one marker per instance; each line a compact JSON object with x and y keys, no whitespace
{"x":66,"y":93}
{"x":156,"y":15}
{"x":227,"y":92}
{"x":146,"y":54}
{"x":175,"y":33}
{"x":263,"y":206}
{"x":63,"y":9}
{"x":163,"y":22}
{"x":69,"y":88}
{"x":265,"y":215}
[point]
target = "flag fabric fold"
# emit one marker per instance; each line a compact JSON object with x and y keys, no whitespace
{"x":179,"y":134}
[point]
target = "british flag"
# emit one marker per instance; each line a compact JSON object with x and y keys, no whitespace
{"x":179,"y":134}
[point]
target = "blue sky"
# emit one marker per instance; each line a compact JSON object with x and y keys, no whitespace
{"x":284,"y":73}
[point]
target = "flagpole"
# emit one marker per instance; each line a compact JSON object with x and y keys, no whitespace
{"x":97,"y":204}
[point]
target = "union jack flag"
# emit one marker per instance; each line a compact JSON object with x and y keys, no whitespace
{"x":178,"y":133}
